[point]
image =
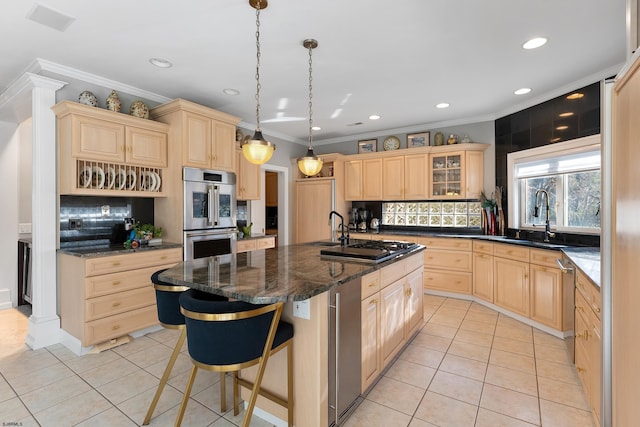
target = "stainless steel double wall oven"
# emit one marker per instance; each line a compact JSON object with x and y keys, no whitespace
{"x":209,"y":213}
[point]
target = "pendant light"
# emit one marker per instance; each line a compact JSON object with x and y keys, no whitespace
{"x":257,"y":150}
{"x":310,"y":164}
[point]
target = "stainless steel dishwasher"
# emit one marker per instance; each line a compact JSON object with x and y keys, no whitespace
{"x":344,"y":350}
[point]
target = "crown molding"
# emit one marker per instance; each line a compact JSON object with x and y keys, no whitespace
{"x":39,"y":65}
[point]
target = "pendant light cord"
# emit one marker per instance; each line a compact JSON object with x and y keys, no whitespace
{"x":310,"y":97}
{"x":258,"y":68}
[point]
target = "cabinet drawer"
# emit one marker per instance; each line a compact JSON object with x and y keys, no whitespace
{"x":447,"y":243}
{"x":245,"y":245}
{"x":414,"y":262}
{"x":116,"y":263}
{"x":108,"y":305}
{"x":447,"y":281}
{"x":390,"y":274}
{"x":590,"y":292}
{"x":96,"y":286}
{"x":544,"y":257}
{"x":483,"y":247}
{"x":370,"y":284}
{"x":269,"y":242}
{"x":511,"y":252}
{"x":121,"y":324}
{"x":448,"y":260}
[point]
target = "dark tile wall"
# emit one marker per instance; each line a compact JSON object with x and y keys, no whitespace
{"x":96,"y":228}
{"x":543,"y":124}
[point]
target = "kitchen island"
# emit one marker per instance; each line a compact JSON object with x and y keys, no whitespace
{"x":304,"y":280}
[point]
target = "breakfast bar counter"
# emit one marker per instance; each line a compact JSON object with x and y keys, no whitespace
{"x":282,"y":274}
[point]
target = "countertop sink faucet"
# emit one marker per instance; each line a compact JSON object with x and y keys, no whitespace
{"x":536,"y":213}
{"x":344,"y":240}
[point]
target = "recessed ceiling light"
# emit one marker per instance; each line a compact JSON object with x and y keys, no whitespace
{"x":316,"y":128}
{"x":442,"y":105}
{"x":576,"y":95}
{"x":534,"y":43}
{"x":522,"y":91}
{"x":562,"y":128}
{"x":374,"y":117}
{"x":162,"y":63}
{"x":230,"y":91}
{"x":567,"y":114}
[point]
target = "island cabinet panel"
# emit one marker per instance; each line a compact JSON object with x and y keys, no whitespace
{"x":392,"y":312}
{"x":107,"y":297}
{"x":370,"y":340}
{"x":392,"y":331}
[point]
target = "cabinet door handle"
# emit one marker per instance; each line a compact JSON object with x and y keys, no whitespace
{"x":373,"y":284}
{"x":116,"y":283}
{"x":116,"y":304}
{"x":373,"y":302}
{"x":115,"y":264}
{"x":115,"y":327}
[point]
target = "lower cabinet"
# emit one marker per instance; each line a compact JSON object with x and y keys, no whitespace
{"x":483,"y":270}
{"x":588,"y":340}
{"x":247,"y":245}
{"x":392,"y":311}
{"x":448,"y":264}
{"x":107,"y":297}
{"x":511,"y":278}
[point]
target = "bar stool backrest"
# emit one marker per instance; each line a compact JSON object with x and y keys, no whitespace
{"x":226,"y":333}
{"x":167,"y":301}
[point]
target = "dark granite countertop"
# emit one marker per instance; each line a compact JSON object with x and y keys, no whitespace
{"x":587,"y":260}
{"x":286,"y":273}
{"x":93,"y":251}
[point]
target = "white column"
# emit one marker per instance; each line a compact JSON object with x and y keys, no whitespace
{"x":44,"y":323}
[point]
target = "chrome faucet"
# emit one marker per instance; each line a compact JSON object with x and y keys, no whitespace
{"x":536,"y":214}
{"x":344,"y":240}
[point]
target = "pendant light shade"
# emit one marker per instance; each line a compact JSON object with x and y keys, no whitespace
{"x":258,"y":150}
{"x":310,"y":164}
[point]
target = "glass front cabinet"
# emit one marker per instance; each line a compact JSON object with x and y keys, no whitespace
{"x":456,"y":175}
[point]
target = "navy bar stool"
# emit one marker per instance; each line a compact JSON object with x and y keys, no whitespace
{"x":170,"y":317}
{"x":234,"y":335}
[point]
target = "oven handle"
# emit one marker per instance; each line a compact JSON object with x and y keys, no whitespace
{"x":211,"y":206}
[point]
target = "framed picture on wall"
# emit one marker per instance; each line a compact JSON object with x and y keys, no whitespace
{"x":367,"y":146}
{"x":418,"y":139}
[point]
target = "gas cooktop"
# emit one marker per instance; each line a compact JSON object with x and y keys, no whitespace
{"x":370,"y":251}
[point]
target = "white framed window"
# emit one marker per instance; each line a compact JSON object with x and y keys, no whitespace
{"x":569,"y":173}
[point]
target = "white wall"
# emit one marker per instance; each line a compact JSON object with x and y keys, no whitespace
{"x":9,"y":160}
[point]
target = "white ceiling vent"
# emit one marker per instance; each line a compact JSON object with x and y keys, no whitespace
{"x":49,"y":17}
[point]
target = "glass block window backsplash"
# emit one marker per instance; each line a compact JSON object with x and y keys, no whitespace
{"x":465,"y":214}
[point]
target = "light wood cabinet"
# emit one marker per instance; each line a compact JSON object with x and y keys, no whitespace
{"x":372,"y":179}
{"x":353,"y":183}
{"x":248,"y":179}
{"x":457,"y":175}
{"x":588,"y":341}
{"x":392,"y":312}
{"x":511,"y":278}
{"x":101,"y":152}
{"x":207,"y":136}
{"x":416,"y":177}
{"x":448,"y":264}
{"x":107,"y":297}
{"x":483,"y":270}
{"x":393,"y":178}
{"x":314,"y":201}
{"x":247,"y":245}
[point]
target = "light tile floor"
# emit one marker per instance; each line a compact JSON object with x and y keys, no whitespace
{"x":469,"y":366}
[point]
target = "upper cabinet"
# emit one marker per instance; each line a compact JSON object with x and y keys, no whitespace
{"x":207,"y":136}
{"x":457,"y":175}
{"x":447,"y":172}
{"x":102,"y":152}
{"x":248,"y":178}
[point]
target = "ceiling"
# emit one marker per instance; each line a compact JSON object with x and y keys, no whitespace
{"x":395,"y":59}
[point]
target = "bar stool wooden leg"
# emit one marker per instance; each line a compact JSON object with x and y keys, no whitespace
{"x":223,"y":393}
{"x":165,"y":376}
{"x":185,"y":398}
